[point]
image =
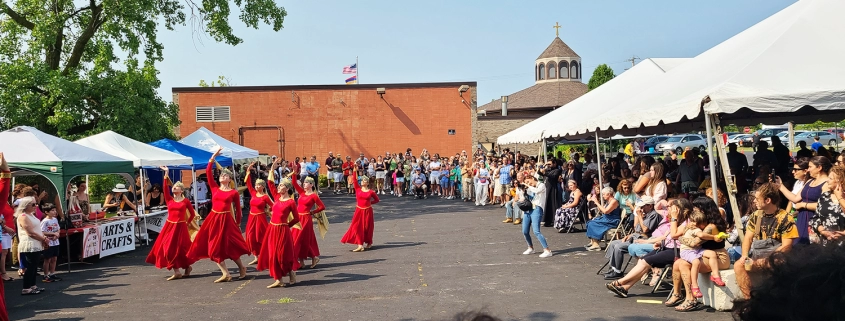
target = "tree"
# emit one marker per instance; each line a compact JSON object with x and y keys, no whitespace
{"x":602,"y":74}
{"x":60,"y":69}
{"x":221,"y":81}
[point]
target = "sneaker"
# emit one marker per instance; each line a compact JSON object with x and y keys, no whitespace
{"x":507,"y":221}
{"x":55,"y":278}
{"x":517,"y":222}
{"x":47,"y":279}
{"x":595,"y":248}
{"x":528,"y":251}
{"x":425,"y":197}
{"x":546,"y":254}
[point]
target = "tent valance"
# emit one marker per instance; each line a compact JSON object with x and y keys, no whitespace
{"x":141,"y":155}
{"x":209,"y":141}
{"x":198,"y":156}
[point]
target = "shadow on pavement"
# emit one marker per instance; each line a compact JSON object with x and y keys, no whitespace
{"x":339,"y":278}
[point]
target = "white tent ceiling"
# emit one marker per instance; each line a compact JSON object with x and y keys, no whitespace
{"x":593,"y":103}
{"x":207,"y":140}
{"x":139,"y":153}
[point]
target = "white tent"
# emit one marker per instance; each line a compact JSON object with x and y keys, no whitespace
{"x":141,"y":155}
{"x":207,"y":140}
{"x":785,"y":68}
{"x":605,"y":97}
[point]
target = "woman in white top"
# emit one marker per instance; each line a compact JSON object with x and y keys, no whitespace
{"x":534,"y":218}
{"x":656,"y":187}
{"x":30,"y":243}
{"x":482,"y":180}
{"x":799,"y":171}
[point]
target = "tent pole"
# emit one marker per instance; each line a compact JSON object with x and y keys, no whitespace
{"x":543,"y":151}
{"x":194,"y":188}
{"x":711,"y":158}
{"x":598,"y":162}
{"x":144,"y":206}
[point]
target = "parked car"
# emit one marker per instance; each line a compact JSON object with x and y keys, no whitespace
{"x":826,"y":138}
{"x":783,"y":137}
{"x":839,"y":132}
{"x":738,"y":139}
{"x":771,"y":131}
{"x":679,"y":143}
{"x":652,"y":142}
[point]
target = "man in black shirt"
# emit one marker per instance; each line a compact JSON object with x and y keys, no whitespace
{"x":803,"y":151}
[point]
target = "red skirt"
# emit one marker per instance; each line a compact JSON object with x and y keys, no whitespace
{"x":4,"y":315}
{"x":305,"y":238}
{"x":218,"y":239}
{"x":256,"y":227}
{"x":361,"y":229}
{"x":170,"y":250}
{"x":278,"y":252}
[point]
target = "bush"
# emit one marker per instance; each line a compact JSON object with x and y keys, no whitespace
{"x":323,"y":181}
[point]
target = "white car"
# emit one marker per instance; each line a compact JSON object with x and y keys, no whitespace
{"x":679,"y":143}
{"x":737,"y":138}
{"x":826,"y":138}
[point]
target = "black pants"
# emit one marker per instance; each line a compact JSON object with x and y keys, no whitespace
{"x":316,"y":179}
{"x":30,"y":262}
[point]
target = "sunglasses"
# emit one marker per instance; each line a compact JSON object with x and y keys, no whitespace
{"x":797,"y":169}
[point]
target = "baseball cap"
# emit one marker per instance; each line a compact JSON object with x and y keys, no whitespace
{"x":645,"y":200}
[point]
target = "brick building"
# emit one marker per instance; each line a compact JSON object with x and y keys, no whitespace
{"x":557,"y":81}
{"x":292,"y":121}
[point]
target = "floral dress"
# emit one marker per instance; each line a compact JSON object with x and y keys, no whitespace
{"x":565,"y":217}
{"x":829,"y":214}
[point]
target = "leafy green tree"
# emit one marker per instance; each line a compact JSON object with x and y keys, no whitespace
{"x":221,"y":81}
{"x":61,"y":69}
{"x":602,"y":74}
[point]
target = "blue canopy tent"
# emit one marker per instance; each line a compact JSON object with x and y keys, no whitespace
{"x":200,"y":157}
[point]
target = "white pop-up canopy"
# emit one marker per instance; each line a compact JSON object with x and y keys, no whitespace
{"x":207,"y":140}
{"x":605,"y":97}
{"x":785,"y":68}
{"x":141,"y":155}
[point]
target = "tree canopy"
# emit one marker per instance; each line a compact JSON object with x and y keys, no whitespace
{"x":76,"y":68}
{"x":602,"y":74}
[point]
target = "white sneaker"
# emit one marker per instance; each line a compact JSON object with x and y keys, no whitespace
{"x":528,"y":251}
{"x":546,"y":254}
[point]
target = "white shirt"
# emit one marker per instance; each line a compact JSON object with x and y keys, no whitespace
{"x":435,"y":168}
{"x":51,"y":225}
{"x":539,"y":192}
{"x":796,"y":189}
{"x":202,"y":190}
{"x":302,"y":170}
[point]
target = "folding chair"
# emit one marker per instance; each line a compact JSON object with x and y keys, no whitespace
{"x":667,"y":272}
{"x":602,"y":270}
{"x":582,"y":216}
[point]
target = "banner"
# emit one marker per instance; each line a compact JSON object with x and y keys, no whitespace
{"x":90,"y":242}
{"x":117,"y":237}
{"x":155,"y":222}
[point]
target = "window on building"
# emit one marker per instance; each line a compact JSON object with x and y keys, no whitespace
{"x":542,"y":71}
{"x":564,"y":70}
{"x":574,"y":72}
{"x":213,"y":114}
{"x":552,"y":70}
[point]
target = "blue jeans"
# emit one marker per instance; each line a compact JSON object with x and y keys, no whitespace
{"x":533,"y":220}
{"x":512,"y":211}
{"x":640,"y":250}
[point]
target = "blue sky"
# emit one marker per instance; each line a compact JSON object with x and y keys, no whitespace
{"x":491,"y":42}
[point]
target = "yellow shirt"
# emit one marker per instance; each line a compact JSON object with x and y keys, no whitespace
{"x":629,"y":149}
{"x":784,"y":226}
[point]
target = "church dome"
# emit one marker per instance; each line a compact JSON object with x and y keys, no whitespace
{"x":558,"y":49}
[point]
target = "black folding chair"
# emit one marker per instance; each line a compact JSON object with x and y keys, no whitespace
{"x":582,"y":216}
{"x":603,"y":271}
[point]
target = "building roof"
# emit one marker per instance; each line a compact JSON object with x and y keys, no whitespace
{"x":542,"y":95}
{"x":321,"y":87}
{"x":558,"y":49}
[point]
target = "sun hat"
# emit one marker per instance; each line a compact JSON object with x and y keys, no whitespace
{"x":120,"y":188}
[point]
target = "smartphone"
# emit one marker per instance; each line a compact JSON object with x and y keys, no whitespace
{"x":773,"y":177}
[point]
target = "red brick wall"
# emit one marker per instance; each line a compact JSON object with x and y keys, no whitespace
{"x":342,"y":119}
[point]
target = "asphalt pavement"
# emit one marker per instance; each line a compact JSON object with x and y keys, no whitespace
{"x":431,"y":259}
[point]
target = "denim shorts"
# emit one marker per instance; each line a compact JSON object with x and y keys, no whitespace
{"x":639,"y":250}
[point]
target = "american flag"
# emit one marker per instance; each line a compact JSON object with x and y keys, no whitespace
{"x":351,"y":69}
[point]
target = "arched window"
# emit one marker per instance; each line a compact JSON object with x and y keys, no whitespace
{"x":542,"y":71}
{"x":575,"y":72}
{"x":564,"y":70}
{"x":552,"y":70}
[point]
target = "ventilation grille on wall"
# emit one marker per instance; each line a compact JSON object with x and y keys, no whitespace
{"x":213,"y":114}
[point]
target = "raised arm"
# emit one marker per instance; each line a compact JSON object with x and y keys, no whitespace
{"x":166,"y":188}
{"x":355,"y":180}
{"x":209,"y":173}
{"x":271,"y":183}
{"x":298,"y":188}
{"x":249,"y":186}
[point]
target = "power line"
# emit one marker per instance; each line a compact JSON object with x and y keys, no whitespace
{"x":633,"y":61}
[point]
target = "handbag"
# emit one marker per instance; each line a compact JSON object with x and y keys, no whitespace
{"x":763,"y":248}
{"x":525,"y":204}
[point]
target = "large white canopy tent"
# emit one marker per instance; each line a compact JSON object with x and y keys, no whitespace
{"x":141,"y":155}
{"x":612,"y":93}
{"x":207,"y":140}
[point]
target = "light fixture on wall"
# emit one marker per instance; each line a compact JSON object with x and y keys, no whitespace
{"x":292,"y":97}
{"x":462,"y":90}
{"x":380,"y":92}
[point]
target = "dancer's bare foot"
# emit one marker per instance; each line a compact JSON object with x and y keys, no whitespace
{"x":369,"y":246}
{"x":243,"y":273}
{"x":314,"y":261}
{"x":188,"y":271}
{"x":292,"y":275}
{"x":358,"y":249}
{"x":276,"y":284}
{"x":225,"y":278}
{"x":253,"y":262}
{"x":174,"y":277}
{"x":301,"y":262}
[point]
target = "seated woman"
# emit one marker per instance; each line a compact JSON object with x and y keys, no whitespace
{"x":117,"y":200}
{"x":829,"y":221}
{"x":568,"y":213}
{"x":713,"y":252}
{"x":155,"y":197}
{"x":600,"y":225}
{"x":664,"y":254}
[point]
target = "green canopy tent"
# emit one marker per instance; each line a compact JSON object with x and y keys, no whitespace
{"x":57,"y":159}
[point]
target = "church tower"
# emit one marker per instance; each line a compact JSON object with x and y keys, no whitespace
{"x":557,"y":63}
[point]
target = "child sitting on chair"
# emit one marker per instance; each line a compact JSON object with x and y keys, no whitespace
{"x":692,"y":252}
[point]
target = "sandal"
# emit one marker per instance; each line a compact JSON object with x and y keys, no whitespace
{"x":717,"y":281}
{"x":31,"y":292}
{"x":617,"y":289}
{"x":696,"y":292}
{"x":688,"y":306}
{"x":655,"y":277}
{"x":673,"y":301}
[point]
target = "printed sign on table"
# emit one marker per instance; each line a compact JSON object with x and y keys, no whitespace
{"x":90,"y":242}
{"x":155,"y":222}
{"x":117,"y":237}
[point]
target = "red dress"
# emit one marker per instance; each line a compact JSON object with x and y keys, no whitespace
{"x":219,"y":237}
{"x":171,"y":247}
{"x":256,"y":224}
{"x":361,"y":229}
{"x":304,"y":237}
{"x":8,"y":215}
{"x":278,"y":247}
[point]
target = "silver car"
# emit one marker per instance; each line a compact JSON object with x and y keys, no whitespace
{"x":826,"y":138}
{"x":679,"y":143}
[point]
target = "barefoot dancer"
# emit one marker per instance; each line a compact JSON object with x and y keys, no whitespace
{"x":171,"y":247}
{"x":220,"y":237}
{"x":305,"y":238}
{"x":259,"y":208}
{"x":361,"y":229}
{"x":278,"y":248}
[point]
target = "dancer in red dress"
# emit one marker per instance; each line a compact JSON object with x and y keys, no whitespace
{"x":305,"y":238}
{"x":8,"y":213}
{"x":170,"y":250}
{"x":219,"y":237}
{"x":259,"y":208}
{"x":361,"y":229}
{"x":278,"y":251}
